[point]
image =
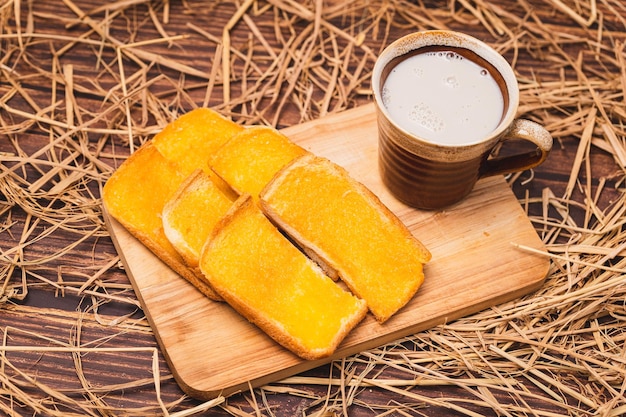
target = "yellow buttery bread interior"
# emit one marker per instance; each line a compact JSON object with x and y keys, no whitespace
{"x":249,"y":160}
{"x":191,"y":213}
{"x":321,"y":207}
{"x":193,"y":138}
{"x":135,"y":196}
{"x":271,"y":283}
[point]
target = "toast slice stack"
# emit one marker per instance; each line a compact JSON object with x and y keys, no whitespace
{"x":270,"y":282}
{"x":322,"y":208}
{"x":135,"y":196}
{"x":138,"y":190}
{"x":253,"y":219}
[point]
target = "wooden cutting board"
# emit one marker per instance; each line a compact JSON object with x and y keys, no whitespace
{"x":212,"y":351}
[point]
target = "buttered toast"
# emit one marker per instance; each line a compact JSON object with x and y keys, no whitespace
{"x":191,"y":213}
{"x":322,"y":208}
{"x":269,"y":281}
{"x":208,"y":197}
{"x":135,"y":196}
{"x":193,"y":138}
{"x":249,"y":160}
{"x":137,"y":192}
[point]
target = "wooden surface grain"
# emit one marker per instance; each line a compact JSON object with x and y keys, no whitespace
{"x":41,"y":325}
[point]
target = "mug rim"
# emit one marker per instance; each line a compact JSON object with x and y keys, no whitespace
{"x":447,"y":38}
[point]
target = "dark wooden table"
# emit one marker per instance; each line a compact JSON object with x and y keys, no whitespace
{"x":79,"y":78}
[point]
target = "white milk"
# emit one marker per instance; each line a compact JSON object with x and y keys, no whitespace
{"x":443,"y":97}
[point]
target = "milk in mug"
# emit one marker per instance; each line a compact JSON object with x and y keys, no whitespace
{"x":443,"y":97}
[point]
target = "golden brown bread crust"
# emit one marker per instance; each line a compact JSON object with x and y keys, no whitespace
{"x":135,"y":195}
{"x":268,"y":281}
{"x":323,"y":209}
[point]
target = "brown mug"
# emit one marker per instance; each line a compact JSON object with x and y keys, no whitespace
{"x":438,"y":121}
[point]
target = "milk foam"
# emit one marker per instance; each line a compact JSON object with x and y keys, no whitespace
{"x":443,"y":97}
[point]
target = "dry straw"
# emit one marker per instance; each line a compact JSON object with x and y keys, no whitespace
{"x":83,"y":84}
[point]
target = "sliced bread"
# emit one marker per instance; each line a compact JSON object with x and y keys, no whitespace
{"x":191,"y":214}
{"x":249,"y":160}
{"x":322,"y":208}
{"x":193,"y":138}
{"x":135,"y":196}
{"x":271,"y":283}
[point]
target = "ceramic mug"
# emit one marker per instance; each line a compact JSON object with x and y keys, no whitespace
{"x":444,"y":101}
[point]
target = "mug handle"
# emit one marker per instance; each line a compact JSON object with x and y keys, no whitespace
{"x":521,"y":129}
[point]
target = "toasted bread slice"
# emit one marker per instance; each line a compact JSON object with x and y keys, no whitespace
{"x":321,"y":207}
{"x":271,"y":283}
{"x":192,"y":212}
{"x":135,"y":196}
{"x":192,"y":139}
{"x":250,"y":159}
